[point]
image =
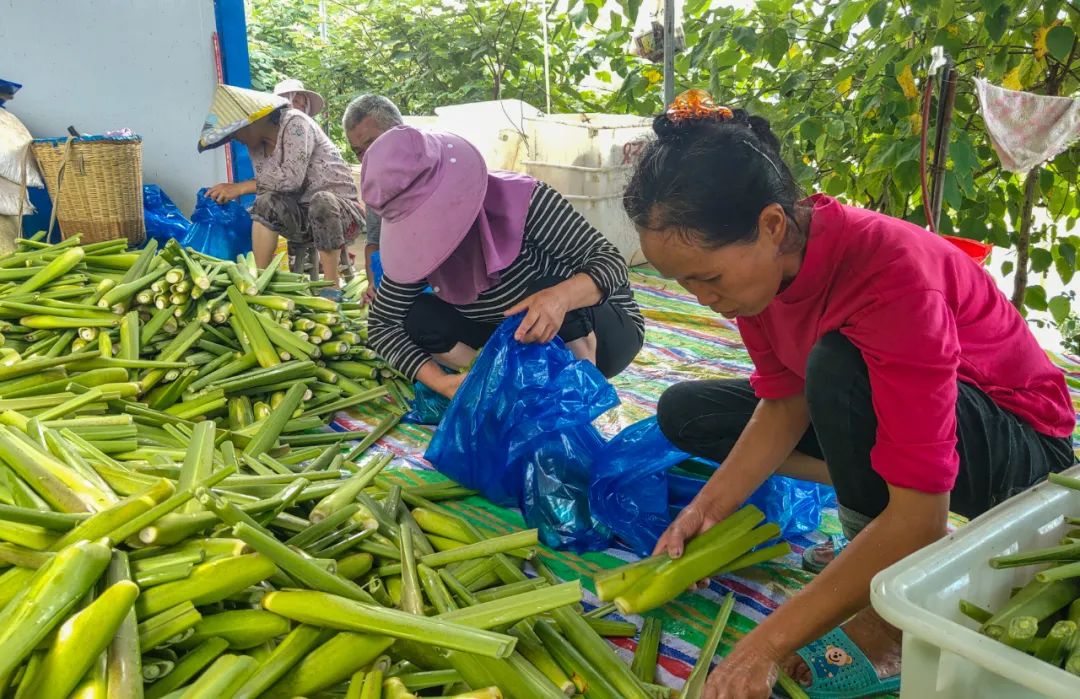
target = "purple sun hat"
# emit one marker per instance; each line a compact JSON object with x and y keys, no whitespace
{"x":428,"y":187}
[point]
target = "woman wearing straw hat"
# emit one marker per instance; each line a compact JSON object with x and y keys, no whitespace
{"x":307,"y":101}
{"x":490,"y":245}
{"x":303,"y":189}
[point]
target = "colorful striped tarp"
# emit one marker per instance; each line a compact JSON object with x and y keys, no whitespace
{"x":682,"y":342}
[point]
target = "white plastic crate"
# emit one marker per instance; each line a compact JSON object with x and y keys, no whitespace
{"x":945,"y":657}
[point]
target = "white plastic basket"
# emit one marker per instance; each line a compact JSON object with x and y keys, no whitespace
{"x":945,"y":657}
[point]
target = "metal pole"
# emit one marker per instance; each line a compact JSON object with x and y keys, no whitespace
{"x":547,"y":64}
{"x":669,"y":51}
{"x":322,"y":19}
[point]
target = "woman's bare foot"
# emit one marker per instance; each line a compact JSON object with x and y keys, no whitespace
{"x":878,"y":640}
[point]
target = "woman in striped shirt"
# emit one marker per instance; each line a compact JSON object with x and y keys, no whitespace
{"x":489,"y":245}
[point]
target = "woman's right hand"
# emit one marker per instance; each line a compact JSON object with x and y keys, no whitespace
{"x":449,"y":384}
{"x":700,"y":515}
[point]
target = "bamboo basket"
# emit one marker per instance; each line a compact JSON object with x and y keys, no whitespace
{"x":95,"y":183}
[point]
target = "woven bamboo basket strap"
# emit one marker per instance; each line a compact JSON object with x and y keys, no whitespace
{"x":59,"y":180}
{"x":24,"y":190}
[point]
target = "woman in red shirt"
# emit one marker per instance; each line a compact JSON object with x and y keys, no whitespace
{"x":886,"y":362}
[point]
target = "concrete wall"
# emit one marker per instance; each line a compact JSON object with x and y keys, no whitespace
{"x":101,"y":65}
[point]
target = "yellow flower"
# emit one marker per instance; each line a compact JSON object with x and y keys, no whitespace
{"x":1012,"y":80}
{"x":806,"y":159}
{"x":907,"y":83}
{"x":793,"y":51}
{"x":652,"y":75}
{"x":871,"y":113}
{"x":1039,"y":43}
{"x":844,"y":86}
{"x":916,"y":123}
{"x":952,"y":29}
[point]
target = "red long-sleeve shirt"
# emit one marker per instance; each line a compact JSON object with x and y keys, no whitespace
{"x":924,"y":315}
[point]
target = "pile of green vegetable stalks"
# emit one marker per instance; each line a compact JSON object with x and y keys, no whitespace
{"x":173,"y":525}
{"x":1041,"y":618}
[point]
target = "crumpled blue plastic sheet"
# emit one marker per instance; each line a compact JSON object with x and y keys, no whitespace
{"x":164,"y":220}
{"x":219,"y":230}
{"x":523,"y":416}
{"x":635,"y":493}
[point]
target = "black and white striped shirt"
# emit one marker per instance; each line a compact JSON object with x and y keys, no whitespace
{"x":558,"y":242}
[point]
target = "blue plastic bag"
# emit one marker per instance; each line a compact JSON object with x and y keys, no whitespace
{"x":634,"y":492}
{"x":164,"y":220}
{"x":219,"y":230}
{"x":428,"y":407}
{"x":514,"y":413}
{"x":558,"y":470}
{"x":629,"y":491}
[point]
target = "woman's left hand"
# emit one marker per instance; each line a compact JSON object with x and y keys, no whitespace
{"x":546,"y":311}
{"x":225,"y":192}
{"x":748,"y":672}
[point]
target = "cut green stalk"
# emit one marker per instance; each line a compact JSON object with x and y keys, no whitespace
{"x":385,"y":425}
{"x":323,"y":439}
{"x":58,"y":267}
{"x":26,"y":535}
{"x":1053,"y":554}
{"x":163,"y":627}
{"x":514,"y":588}
{"x":79,"y":642}
{"x":241,"y":628}
{"x":1021,"y":633}
{"x":331,"y":611}
{"x":348,"y":490}
{"x":488,"y":615}
{"x":260,"y":343}
{"x":297,"y":566}
{"x":330,"y":664}
{"x":124,"y":663}
{"x":1061,"y":572}
{"x":56,"y":521}
{"x":208,"y":583}
{"x":695,"y":683}
{"x":292,"y":649}
{"x":761,"y":555}
{"x":1036,"y":599}
{"x":50,"y":594}
{"x":794,"y":689}
{"x":488,"y":547}
{"x":199,"y":462}
{"x":11,"y":554}
{"x":190,"y":665}
{"x":672,"y":578}
{"x":975,"y":612}
{"x":648,"y":647}
{"x":222,"y":678}
{"x":599,"y":653}
{"x":60,"y":486}
{"x":330,"y":523}
{"x":610,"y":628}
{"x":1056,"y":646}
{"x":174,"y":501}
{"x":412,"y":601}
{"x":268,"y":434}
{"x":165,"y":574}
{"x":575,"y":664}
{"x":349,"y":402}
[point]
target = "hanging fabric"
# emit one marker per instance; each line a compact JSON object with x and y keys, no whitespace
{"x":1027,"y":129}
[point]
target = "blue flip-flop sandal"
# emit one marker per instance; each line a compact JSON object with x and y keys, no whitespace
{"x":839,"y":670}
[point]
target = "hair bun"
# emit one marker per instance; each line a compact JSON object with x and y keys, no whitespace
{"x":668,"y":130}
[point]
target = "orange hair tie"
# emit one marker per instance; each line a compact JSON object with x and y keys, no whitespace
{"x":696,"y":105}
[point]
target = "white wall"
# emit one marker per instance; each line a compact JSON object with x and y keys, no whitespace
{"x":108,"y":64}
